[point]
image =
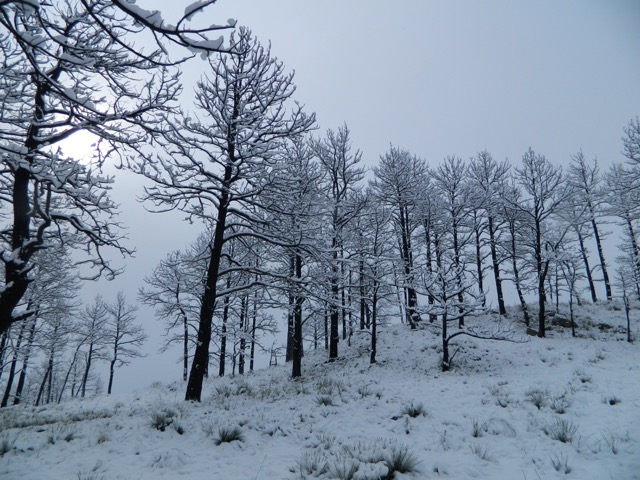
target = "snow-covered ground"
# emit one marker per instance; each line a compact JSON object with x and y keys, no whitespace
{"x":350,"y":419}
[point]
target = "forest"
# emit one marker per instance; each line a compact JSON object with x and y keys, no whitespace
{"x":297,"y":234}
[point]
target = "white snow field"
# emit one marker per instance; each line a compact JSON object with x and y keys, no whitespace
{"x":551,"y":408}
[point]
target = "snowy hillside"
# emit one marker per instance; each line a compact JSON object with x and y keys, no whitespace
{"x":549,"y":408}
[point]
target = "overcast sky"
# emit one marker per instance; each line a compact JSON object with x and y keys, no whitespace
{"x":434,"y":77}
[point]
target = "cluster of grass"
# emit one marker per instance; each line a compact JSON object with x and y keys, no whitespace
{"x":561,"y":430}
{"x":381,"y":460}
{"x":26,"y":417}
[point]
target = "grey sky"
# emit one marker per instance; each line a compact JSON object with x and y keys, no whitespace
{"x":434,"y":77}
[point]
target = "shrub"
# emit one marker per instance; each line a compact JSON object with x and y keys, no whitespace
{"x":611,"y":400}
{"x":414,"y":410}
{"x":6,"y":443}
{"x":243,"y":388}
{"x":401,"y":460}
{"x":364,"y":391}
{"x":538,"y":397}
{"x":90,"y":476}
{"x":561,"y":430}
{"x":61,"y":432}
{"x":481,"y":451}
{"x":478,"y":429}
{"x":344,"y":468}
{"x":311,"y":464}
{"x":228,"y":435}
{"x":324,"y":400}
{"x":162,"y":419}
{"x":177,"y":426}
{"x":223,"y":390}
{"x":560,"y":463}
{"x":582,"y":375}
{"x":560,"y":404}
{"x":500,"y":394}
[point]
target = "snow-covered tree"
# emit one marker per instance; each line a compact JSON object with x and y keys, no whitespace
{"x":490,"y":178}
{"x":398,"y":182}
{"x":174,"y":290}
{"x":458,"y":201}
{"x":123,"y":336}
{"x":69,"y":66}
{"x":92,"y":329}
{"x":624,"y":204}
{"x":590,"y":195}
{"x":219,"y":159}
{"x":341,"y":177}
{"x":546,"y":191}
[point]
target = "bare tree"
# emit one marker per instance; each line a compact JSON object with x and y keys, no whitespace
{"x":490,"y":179}
{"x":399,"y":179}
{"x":174,"y":289}
{"x":71,"y":66}
{"x":457,"y":200}
{"x":623,"y":275}
{"x":546,"y":191}
{"x":123,"y":336}
{"x":93,"y":330}
{"x":631,"y":142}
{"x":218,"y":165}
{"x":624,"y":204}
{"x":342,"y":175}
{"x":589,"y":194}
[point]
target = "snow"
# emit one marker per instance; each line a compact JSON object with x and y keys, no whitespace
{"x":346,"y":419}
{"x":194,"y":8}
{"x":152,"y":17}
{"x":205,"y":47}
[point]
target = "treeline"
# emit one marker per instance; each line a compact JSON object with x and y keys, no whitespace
{"x":292,"y":220}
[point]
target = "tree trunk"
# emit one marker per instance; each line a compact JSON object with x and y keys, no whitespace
{"x":496,"y":267}
{"x":445,"y":344}
{"x":412,"y":315}
{"x":635,"y":250}
{"x":479,"y":272}
{"x":296,"y":368}
{"x":603,"y":263}
{"x":66,"y":377}
{"x":429,"y":259}
{"x":112,"y":366}
{"x":3,"y":350}
{"x":374,"y":323}
{"x":223,"y":334}
{"x":334,"y":335}
{"x":291,"y":300}
{"x":363,"y":293}
{"x":516,"y":277}
{"x":185,"y":348}
{"x":456,"y":256}
{"x":16,"y":280}
{"x":12,"y":369}
{"x":585,"y":259}
{"x":200,"y":362}
{"x":25,"y":364}
{"x":254,"y":320}
{"x":85,"y":377}
{"x":243,"y":331}
{"x":43,"y":384}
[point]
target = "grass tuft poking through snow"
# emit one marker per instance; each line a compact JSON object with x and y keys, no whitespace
{"x":500,"y":413}
{"x":228,"y":435}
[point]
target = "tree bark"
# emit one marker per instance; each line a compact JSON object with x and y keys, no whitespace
{"x":201,"y":355}
{"x":496,"y":266}
{"x":12,"y":369}
{"x":585,"y":259}
{"x":25,"y":364}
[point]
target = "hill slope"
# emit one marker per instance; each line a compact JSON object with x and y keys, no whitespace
{"x":543,"y":409}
